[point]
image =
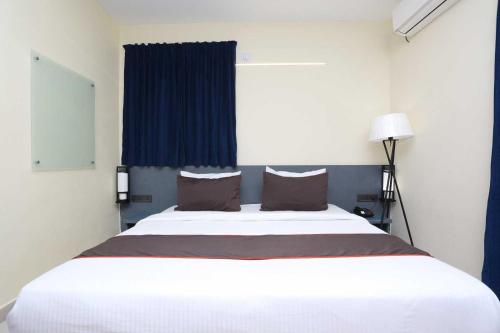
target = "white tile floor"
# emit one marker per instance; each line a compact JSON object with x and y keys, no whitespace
{"x":3,"y":327}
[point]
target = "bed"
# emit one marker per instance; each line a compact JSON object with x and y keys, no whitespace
{"x":400,"y":293}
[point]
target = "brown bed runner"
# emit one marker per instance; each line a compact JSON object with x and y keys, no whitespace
{"x":253,"y":247}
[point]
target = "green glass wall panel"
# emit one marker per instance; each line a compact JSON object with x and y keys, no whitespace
{"x":62,"y":117}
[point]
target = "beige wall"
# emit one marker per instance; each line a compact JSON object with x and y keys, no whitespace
{"x":48,"y":217}
{"x":299,"y":115}
{"x":443,"y":80}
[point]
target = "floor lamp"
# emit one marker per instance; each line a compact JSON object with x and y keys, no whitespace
{"x":388,"y":129}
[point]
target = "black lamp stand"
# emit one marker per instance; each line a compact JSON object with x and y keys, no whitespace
{"x":390,"y":144}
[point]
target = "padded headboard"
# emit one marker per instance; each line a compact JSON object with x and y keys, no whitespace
{"x":345,"y":182}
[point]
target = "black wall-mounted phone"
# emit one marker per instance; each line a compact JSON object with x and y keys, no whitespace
{"x":363,"y":212}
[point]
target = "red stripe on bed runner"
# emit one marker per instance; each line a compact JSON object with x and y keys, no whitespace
{"x":262,"y":247}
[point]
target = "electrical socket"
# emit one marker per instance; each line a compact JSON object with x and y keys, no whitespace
{"x":143,"y":198}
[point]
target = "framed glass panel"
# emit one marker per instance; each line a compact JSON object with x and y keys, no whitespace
{"x":62,"y":117}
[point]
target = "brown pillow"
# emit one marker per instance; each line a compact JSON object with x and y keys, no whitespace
{"x":295,"y":193}
{"x":221,"y":194}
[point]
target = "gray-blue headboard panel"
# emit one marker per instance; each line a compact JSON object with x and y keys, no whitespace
{"x":345,"y":182}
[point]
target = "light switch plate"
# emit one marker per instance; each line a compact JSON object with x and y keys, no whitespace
{"x":367,"y":197}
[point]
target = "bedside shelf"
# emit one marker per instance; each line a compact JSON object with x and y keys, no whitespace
{"x":129,"y":222}
{"x":377,"y":221}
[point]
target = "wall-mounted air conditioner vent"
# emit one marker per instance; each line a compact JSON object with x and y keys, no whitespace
{"x":411,"y":16}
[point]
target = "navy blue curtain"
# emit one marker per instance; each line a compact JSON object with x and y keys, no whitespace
{"x":179,"y":105}
{"x":491,"y":266}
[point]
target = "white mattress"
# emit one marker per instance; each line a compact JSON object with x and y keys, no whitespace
{"x":348,"y":295}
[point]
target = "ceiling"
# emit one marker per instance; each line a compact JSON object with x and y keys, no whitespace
{"x":189,"y":11}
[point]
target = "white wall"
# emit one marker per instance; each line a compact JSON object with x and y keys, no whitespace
{"x":299,"y":115}
{"x":48,"y":217}
{"x":443,"y":79}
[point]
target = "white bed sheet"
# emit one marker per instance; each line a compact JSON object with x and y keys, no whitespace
{"x":345,"y":295}
{"x":252,"y":221}
{"x":252,"y":212}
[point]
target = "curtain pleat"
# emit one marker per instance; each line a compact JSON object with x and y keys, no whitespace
{"x":179,"y":105}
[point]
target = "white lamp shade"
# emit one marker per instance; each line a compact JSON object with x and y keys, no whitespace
{"x":392,"y":125}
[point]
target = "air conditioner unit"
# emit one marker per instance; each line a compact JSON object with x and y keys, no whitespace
{"x":411,"y":16}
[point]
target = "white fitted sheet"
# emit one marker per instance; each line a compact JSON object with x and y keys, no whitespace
{"x":345,"y":295}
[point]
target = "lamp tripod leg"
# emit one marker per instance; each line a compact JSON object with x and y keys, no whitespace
{"x":393,"y":175}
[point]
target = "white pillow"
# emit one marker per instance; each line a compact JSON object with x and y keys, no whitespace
{"x":210,"y":175}
{"x":295,"y":174}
